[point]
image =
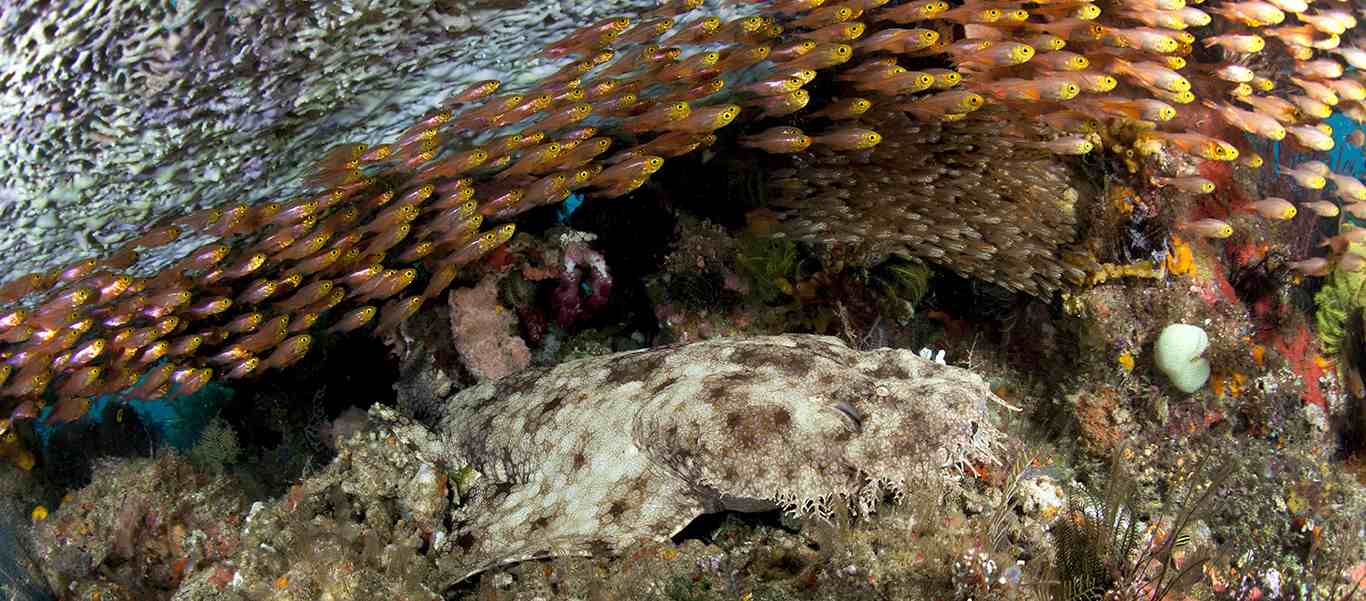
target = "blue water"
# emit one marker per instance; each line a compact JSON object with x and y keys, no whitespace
{"x":176,"y":420}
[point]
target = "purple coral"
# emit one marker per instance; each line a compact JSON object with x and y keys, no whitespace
{"x":576,"y":297}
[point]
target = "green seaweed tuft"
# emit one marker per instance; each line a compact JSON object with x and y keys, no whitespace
{"x":1342,"y":296}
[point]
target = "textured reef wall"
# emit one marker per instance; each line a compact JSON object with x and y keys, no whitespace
{"x":115,"y":113}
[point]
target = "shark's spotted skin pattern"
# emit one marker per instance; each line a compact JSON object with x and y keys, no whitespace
{"x":598,"y":453}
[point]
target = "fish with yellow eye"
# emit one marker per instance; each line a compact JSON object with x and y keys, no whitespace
{"x":416,"y":251}
{"x":667,"y":145}
{"x":1054,"y":89}
{"x":1183,"y":97}
{"x":482,"y":245}
{"x":1152,"y":75}
{"x":897,"y":41}
{"x":153,"y":352}
{"x":388,"y":284}
{"x":243,"y":368}
{"x":1089,"y":81}
{"x":532,"y":105}
{"x":190,"y":380}
{"x":1061,"y":60}
{"x":1278,"y":209}
{"x":851,"y":138}
{"x":589,"y":38}
{"x":69,"y":409}
{"x":270,"y":334}
{"x":1311,"y":137}
{"x":82,"y":382}
{"x":325,"y":303}
{"x":13,"y":318}
{"x":844,"y":108}
{"x":354,"y":319}
{"x":305,"y":296}
{"x":735,"y":59}
{"x":823,"y":56}
{"x":1160,"y":41}
{"x":695,"y":32}
{"x":911,"y":12}
{"x":289,"y":352}
{"x":997,"y":55}
{"x":825,"y":15}
{"x":646,"y":30}
{"x":1207,"y":228}
{"x":786,"y":104}
{"x":153,"y":381}
{"x":387,"y":239}
{"x":257,"y":291}
{"x":316,"y":263}
{"x":185,"y":345}
{"x":247,"y":322}
{"x":23,"y":286}
{"x":449,"y":218}
{"x":453,"y":166}
{"x":76,"y":270}
{"x":158,"y":237}
{"x":207,"y":307}
{"x":1238,"y":43}
{"x":584,"y":152}
{"x":972,"y":13}
{"x":773,"y":86}
{"x":1192,"y":184}
{"x":944,"y":78}
{"x":657,"y":117}
{"x":628,"y":170}
{"x":534,"y":160}
{"x":395,"y":215}
{"x":204,"y":258}
{"x":396,"y":312}
{"x":31,"y":380}
{"x":566,"y":116}
{"x":471,"y":93}
{"x":1044,"y":42}
{"x":792,"y":50}
{"x":935,"y":107}
{"x":1197,"y":144}
{"x":706,"y":119}
{"x":1249,"y":121}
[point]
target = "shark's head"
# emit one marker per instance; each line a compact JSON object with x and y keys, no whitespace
{"x":804,"y":421}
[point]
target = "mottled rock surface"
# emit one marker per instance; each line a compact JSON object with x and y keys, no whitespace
{"x":114,"y":114}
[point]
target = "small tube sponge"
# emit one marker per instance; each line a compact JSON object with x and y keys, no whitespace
{"x":1179,"y":349}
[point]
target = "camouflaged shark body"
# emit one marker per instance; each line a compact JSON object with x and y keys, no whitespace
{"x":596,"y":454}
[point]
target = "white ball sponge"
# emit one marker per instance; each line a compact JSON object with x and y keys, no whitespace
{"x":1179,"y":349}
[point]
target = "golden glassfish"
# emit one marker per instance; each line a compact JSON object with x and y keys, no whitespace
{"x":397,"y":311}
{"x":1208,"y":228}
{"x":1192,"y":184}
{"x":851,"y":138}
{"x":1245,"y":44}
{"x":1279,"y":209}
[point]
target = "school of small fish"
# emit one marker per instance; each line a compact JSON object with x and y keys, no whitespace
{"x":390,"y":225}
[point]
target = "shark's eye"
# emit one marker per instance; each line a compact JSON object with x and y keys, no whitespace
{"x":853,"y":419}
